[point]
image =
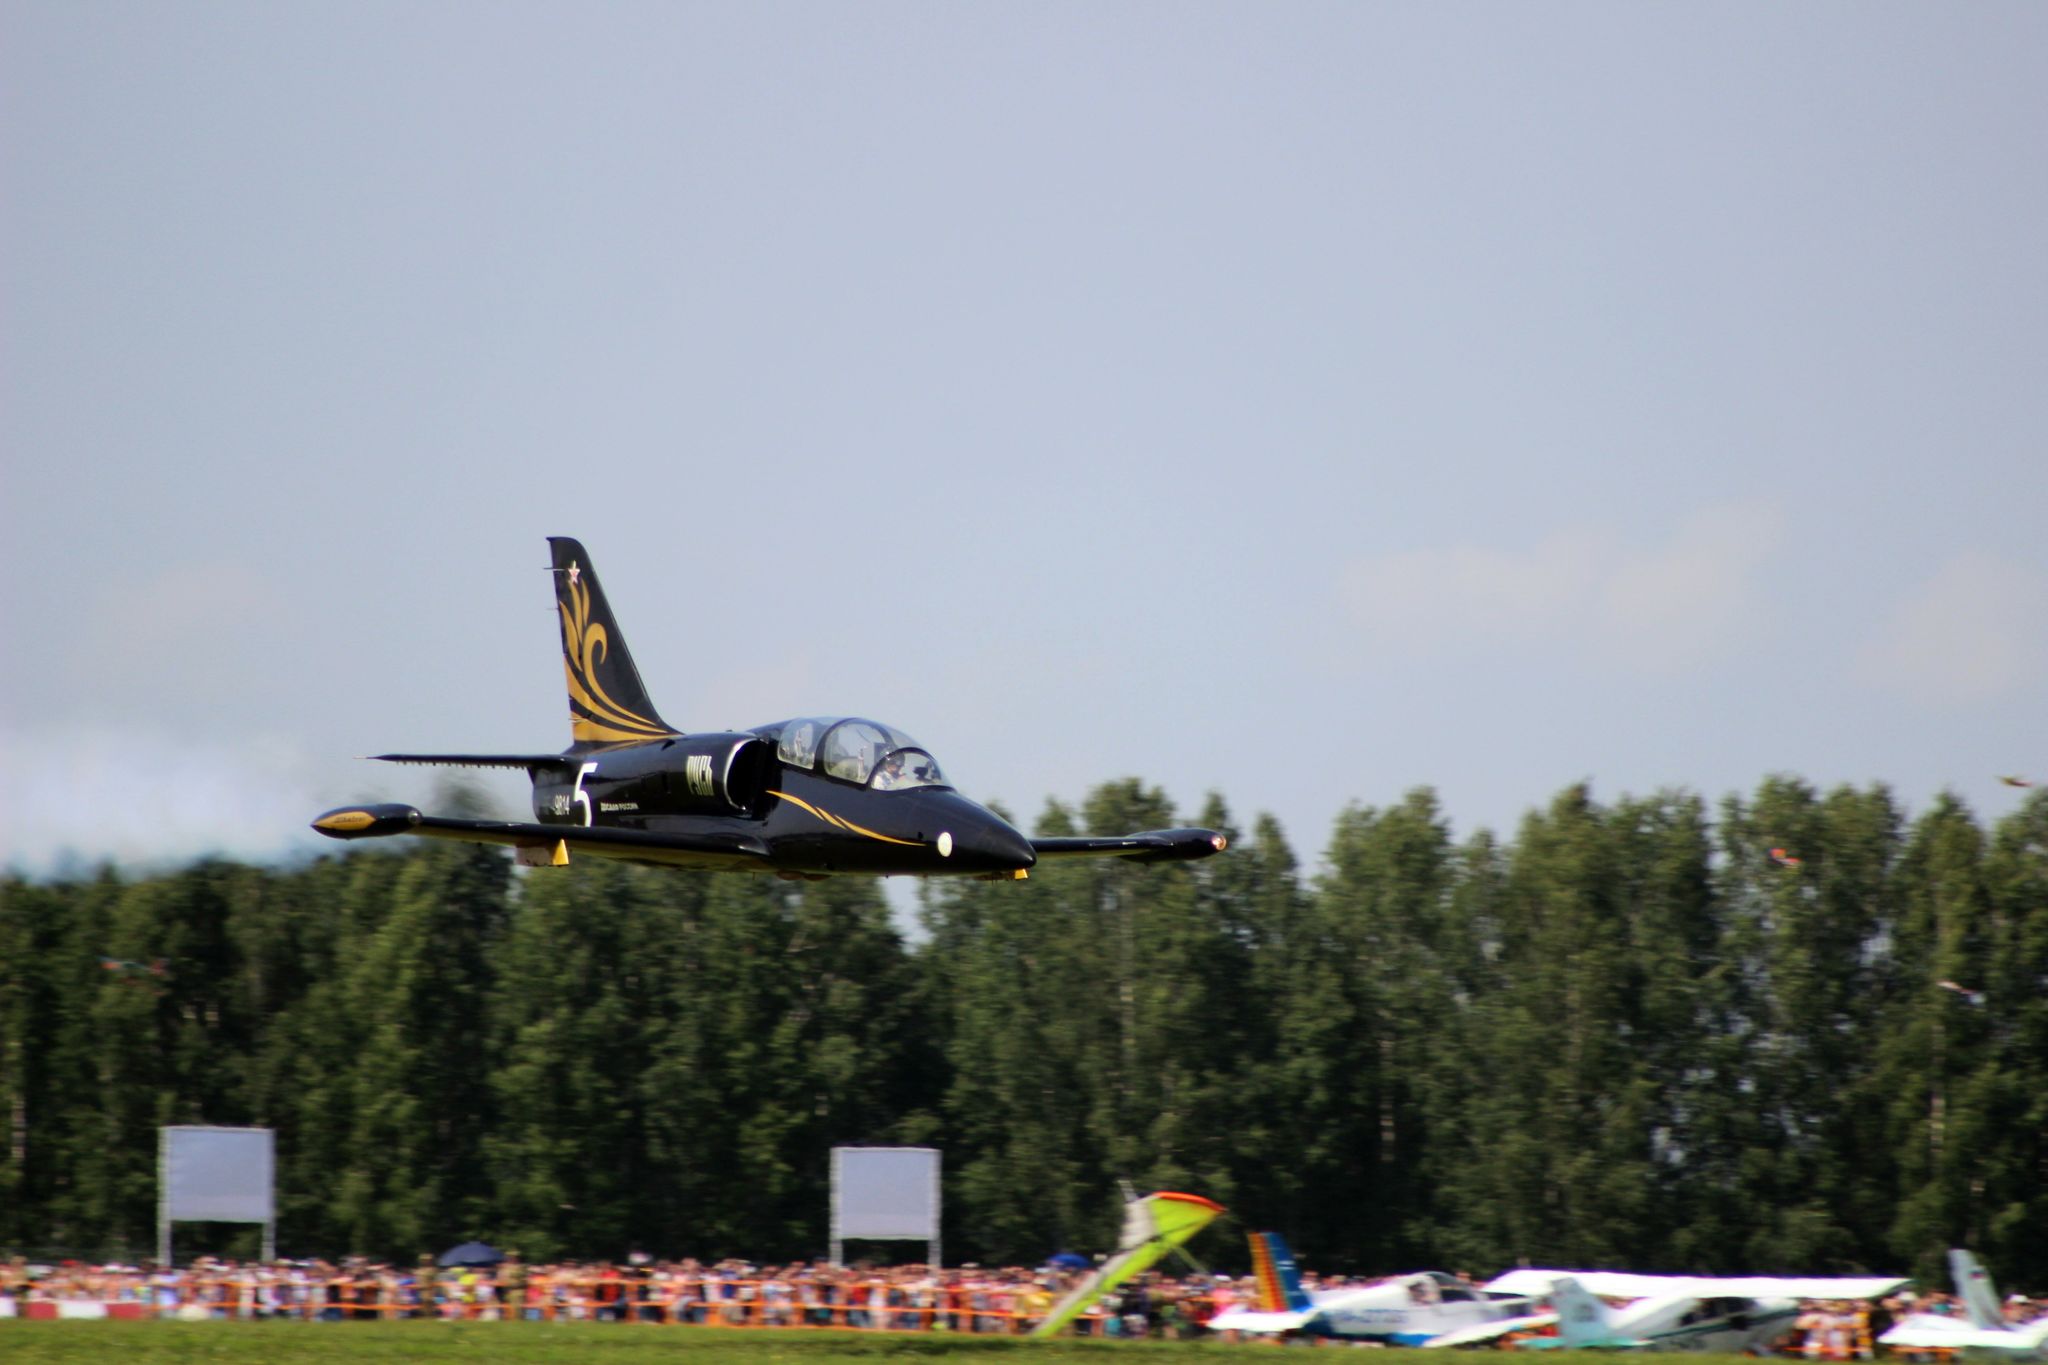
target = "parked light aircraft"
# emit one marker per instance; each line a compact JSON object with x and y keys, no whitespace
{"x":1982,"y":1331}
{"x":1666,"y":1312}
{"x":800,"y":798}
{"x":1406,"y":1310}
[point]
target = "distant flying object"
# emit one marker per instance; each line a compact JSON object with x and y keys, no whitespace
{"x":1407,"y":1310}
{"x":155,"y":967}
{"x":800,"y":798}
{"x":2017,"y":781}
{"x":1153,"y":1226}
{"x":1668,"y":1312}
{"x":1974,"y":997}
{"x":1983,"y":1332}
{"x":1784,"y":859}
{"x":148,"y":975}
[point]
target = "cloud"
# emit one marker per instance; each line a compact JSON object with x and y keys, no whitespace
{"x":1971,"y":632}
{"x":175,"y":643}
{"x":1671,"y":606}
{"x":1458,"y":590}
{"x":1653,"y":608}
{"x":87,"y":795}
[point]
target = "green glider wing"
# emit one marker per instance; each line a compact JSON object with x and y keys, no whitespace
{"x":1153,"y":1226}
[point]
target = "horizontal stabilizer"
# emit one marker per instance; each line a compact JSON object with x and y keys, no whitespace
{"x":483,"y":760}
{"x":1151,"y":846}
{"x":1252,"y":1320}
{"x":1480,"y":1333}
{"x":1933,"y":1332}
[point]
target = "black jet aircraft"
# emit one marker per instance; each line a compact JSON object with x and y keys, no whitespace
{"x":803,"y":798}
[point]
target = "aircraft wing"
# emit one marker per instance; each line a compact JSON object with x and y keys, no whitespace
{"x":1153,"y":1226}
{"x":483,"y":760}
{"x":1804,"y":1286}
{"x":1479,"y":1333}
{"x":1151,"y":846}
{"x":1615,"y":1284}
{"x":1934,"y":1332}
{"x":1253,"y":1320}
{"x":551,"y":843}
{"x":1929,"y":1332}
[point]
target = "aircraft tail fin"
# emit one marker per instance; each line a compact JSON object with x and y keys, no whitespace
{"x":1581,"y":1318}
{"x":1277,"y":1275}
{"x":608,"y":704}
{"x":1973,"y":1285}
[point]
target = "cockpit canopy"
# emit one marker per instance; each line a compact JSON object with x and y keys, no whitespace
{"x":862,"y":751}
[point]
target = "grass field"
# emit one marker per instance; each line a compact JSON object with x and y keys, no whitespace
{"x":444,"y":1343}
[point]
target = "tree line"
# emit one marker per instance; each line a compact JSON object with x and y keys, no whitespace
{"x":1798,"y":1032}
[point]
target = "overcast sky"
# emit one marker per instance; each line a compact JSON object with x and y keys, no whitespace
{"x":1299,"y":401}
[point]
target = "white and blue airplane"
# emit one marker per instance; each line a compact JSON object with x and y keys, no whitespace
{"x":1663,"y":1312}
{"x":1982,"y":1331}
{"x":1406,"y":1310}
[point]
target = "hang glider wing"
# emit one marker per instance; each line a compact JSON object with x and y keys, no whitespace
{"x":1153,"y":1226}
{"x":1151,"y":846}
{"x":550,"y":844}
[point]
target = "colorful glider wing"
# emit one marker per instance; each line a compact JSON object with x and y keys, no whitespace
{"x":1153,"y":1226}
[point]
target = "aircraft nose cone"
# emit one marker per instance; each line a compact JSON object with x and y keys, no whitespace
{"x":992,"y":846}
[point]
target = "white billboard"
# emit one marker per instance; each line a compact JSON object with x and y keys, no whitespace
{"x":886,"y":1193}
{"x":215,"y":1175}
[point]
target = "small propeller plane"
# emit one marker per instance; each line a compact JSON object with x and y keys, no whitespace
{"x":1665,"y":1312}
{"x":1982,"y":1333}
{"x":805,"y":798}
{"x":1406,"y":1310}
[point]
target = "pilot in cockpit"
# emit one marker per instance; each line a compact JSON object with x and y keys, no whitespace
{"x":797,"y":745}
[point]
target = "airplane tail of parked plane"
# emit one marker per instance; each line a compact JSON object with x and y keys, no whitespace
{"x":1973,"y":1285}
{"x":1982,"y":1332}
{"x":1277,"y":1276}
{"x":608,"y":703}
{"x":1582,"y":1320}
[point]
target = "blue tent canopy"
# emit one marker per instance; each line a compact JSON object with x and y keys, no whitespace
{"x":471,"y":1253}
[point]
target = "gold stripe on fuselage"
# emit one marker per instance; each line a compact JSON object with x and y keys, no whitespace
{"x":837,"y":823}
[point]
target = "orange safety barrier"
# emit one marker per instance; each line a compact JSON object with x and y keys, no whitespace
{"x":691,"y":1300}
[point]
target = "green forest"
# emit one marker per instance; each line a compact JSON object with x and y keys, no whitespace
{"x":1794,"y":1032}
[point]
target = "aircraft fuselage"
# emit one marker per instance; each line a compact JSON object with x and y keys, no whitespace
{"x":733,"y":784}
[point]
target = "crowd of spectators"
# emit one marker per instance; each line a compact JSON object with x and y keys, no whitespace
{"x":726,"y":1293}
{"x":733,"y":1293}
